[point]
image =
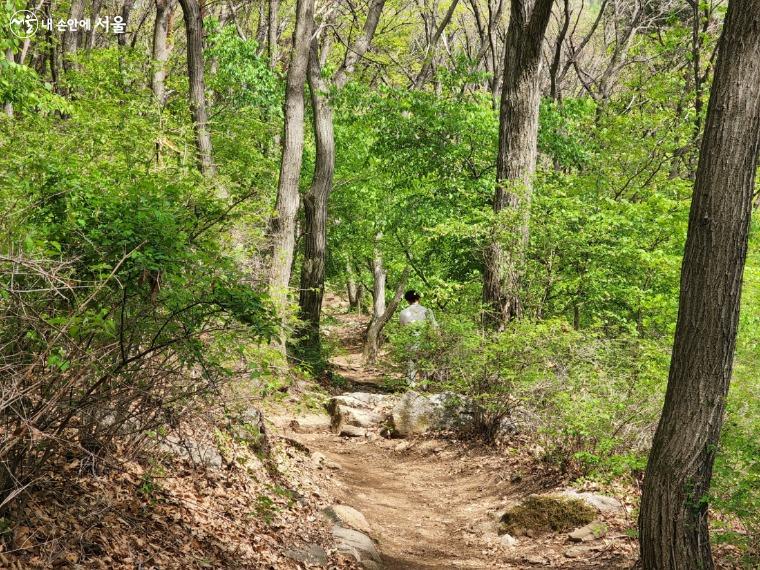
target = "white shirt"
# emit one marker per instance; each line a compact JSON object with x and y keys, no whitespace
{"x":416,"y":313}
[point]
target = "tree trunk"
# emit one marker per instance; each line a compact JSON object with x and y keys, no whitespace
{"x":516,"y":160}
{"x":96,"y":5}
{"x":355,"y":289}
{"x":126,"y":10}
{"x":360,"y":46}
{"x":69,"y":41}
{"x":8,"y":106}
{"x":379,"y":320}
{"x":315,"y":209}
{"x":274,"y":6}
{"x":282,"y":225}
{"x":194,"y":28}
{"x":315,"y":202}
{"x":673,"y":522}
{"x":554,"y":90}
{"x":161,"y":49}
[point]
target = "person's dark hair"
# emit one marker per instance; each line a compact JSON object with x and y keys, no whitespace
{"x":411,"y":296}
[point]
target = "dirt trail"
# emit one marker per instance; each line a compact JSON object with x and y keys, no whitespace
{"x":431,"y":503}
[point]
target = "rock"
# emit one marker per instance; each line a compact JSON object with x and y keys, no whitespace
{"x":536,"y":560}
{"x":248,"y":427}
{"x":356,"y":544}
{"x":309,"y":554}
{"x":195,"y":451}
{"x":591,"y":531}
{"x":537,"y":515}
{"x":343,"y":415}
{"x":415,"y":414}
{"x":358,"y":410}
{"x":352,"y":431}
{"x":576,"y":552}
{"x":312,"y":423}
{"x":602,"y":503}
{"x":347,"y":517}
{"x":318,"y":459}
{"x":332,"y":465}
{"x":362,"y":400}
{"x":508,"y":541}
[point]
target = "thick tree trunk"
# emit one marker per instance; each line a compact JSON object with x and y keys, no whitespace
{"x":315,"y":209}
{"x":272,"y":52}
{"x":161,"y":49}
{"x":381,"y":318}
{"x":516,"y":160}
{"x":69,"y":41}
{"x":194,"y":28}
{"x":282,"y":225}
{"x":126,"y":10}
{"x":95,"y":13}
{"x":315,"y":202}
{"x":673,"y":521}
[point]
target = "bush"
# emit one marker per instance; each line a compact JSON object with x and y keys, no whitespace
{"x":590,"y":401}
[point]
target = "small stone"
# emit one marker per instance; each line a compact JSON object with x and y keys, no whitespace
{"x":317,"y":459}
{"x":309,"y":554}
{"x":575,"y":552}
{"x":602,"y":503}
{"x":352,"y":431}
{"x":587,"y":533}
{"x":508,"y":541}
{"x":347,"y":517}
{"x":356,"y":544}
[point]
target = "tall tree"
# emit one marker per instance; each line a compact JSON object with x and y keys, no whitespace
{"x":197,"y":88}
{"x":283,"y":223}
{"x":673,"y":523}
{"x":161,"y":48}
{"x":516,"y":160}
{"x":315,"y":200}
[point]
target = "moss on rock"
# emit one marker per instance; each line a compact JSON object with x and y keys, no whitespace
{"x":542,"y":514}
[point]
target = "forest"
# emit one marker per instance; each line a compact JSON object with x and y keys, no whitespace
{"x":379,"y":284}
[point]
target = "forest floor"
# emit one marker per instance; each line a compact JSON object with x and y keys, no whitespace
{"x":434,"y":502}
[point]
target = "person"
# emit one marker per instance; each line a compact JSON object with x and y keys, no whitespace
{"x":414,"y":315}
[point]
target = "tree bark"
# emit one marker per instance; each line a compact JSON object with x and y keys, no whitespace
{"x":197,"y":85}
{"x":427,"y":64}
{"x":126,"y":10}
{"x":354,"y":289}
{"x":90,"y":40}
{"x":554,"y":90}
{"x":274,"y":6}
{"x":8,"y":106}
{"x":69,"y":41}
{"x":516,"y":160}
{"x":360,"y":46}
{"x":673,"y":521}
{"x":315,"y":201}
{"x":315,"y":209}
{"x":282,"y":225}
{"x":380,"y":319}
{"x":161,"y":49}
